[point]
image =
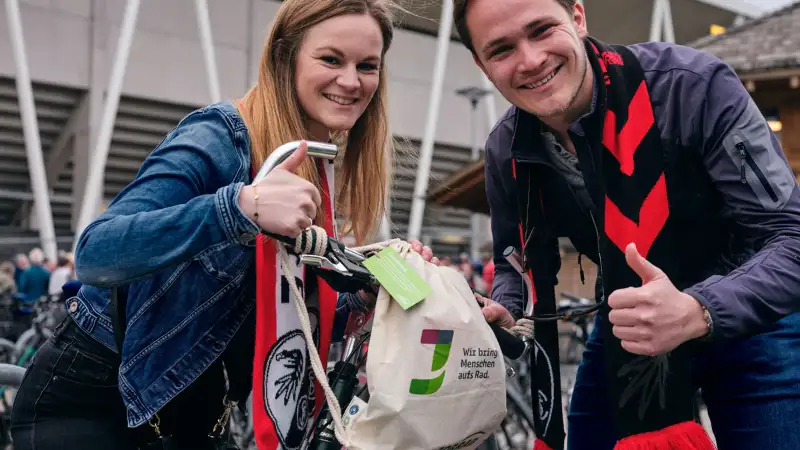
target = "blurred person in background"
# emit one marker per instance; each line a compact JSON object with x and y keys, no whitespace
{"x":35,"y":280}
{"x":61,"y":274}
{"x":8,"y":286}
{"x":488,"y":276}
{"x":465,"y":267}
{"x":20,"y":264}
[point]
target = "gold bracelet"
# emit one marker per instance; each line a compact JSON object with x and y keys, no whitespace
{"x":255,"y":200}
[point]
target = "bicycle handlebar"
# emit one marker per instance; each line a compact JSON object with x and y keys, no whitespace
{"x":572,"y":297}
{"x":511,"y":346}
{"x":572,"y":303}
{"x":11,"y":375}
{"x":315,"y":150}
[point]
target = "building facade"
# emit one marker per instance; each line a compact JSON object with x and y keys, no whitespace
{"x":71,"y":51}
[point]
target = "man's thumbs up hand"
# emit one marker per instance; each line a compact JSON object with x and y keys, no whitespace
{"x":646,"y":271}
{"x":656,"y":317}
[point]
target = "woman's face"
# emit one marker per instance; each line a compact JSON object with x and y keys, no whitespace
{"x":337,"y":72}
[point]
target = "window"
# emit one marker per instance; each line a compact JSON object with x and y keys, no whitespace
{"x":774,"y":121}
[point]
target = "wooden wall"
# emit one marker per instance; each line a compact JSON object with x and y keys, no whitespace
{"x":777,"y":95}
{"x":790,"y":135}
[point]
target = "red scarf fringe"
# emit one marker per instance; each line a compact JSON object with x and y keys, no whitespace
{"x":683,"y":436}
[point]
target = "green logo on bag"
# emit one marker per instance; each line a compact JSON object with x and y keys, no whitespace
{"x":441,"y":340}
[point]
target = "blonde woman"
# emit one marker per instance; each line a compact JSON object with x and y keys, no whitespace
{"x":180,"y":242}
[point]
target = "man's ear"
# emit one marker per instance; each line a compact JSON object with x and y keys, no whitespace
{"x":579,"y":18}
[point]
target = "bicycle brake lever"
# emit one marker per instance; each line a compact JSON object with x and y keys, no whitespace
{"x":346,"y":257}
{"x":514,"y":258}
{"x":324,"y":263}
{"x":339,"y":270}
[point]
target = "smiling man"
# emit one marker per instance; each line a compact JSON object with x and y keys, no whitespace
{"x":658,"y":166}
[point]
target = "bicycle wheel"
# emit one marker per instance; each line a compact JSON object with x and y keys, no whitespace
{"x":516,"y":432}
{"x":240,"y":427}
{"x":241,"y":430}
{"x":11,"y":376}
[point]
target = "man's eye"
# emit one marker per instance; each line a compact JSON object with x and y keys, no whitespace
{"x":499,"y":50}
{"x":541,"y":30}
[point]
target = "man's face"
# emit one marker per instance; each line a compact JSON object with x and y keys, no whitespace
{"x":533,"y":52}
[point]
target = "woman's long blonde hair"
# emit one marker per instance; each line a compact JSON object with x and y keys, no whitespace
{"x":274,"y":117}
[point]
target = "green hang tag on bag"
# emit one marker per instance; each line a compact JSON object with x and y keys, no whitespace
{"x":398,"y":277}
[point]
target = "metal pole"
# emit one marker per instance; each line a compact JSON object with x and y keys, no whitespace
{"x":475,"y":219}
{"x":656,"y":22}
{"x":94,"y":182}
{"x":491,"y":106}
{"x":30,"y":128}
{"x":426,"y":150}
{"x":204,"y":24}
{"x":669,"y":26}
{"x":385,"y":230}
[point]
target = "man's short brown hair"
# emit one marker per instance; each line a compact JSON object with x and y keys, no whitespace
{"x":460,"y":18}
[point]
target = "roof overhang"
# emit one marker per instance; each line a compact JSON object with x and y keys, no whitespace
{"x":769,"y":74}
{"x":613,"y":21}
{"x":466,"y":190}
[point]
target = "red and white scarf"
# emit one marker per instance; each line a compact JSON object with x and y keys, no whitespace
{"x":286,"y":395}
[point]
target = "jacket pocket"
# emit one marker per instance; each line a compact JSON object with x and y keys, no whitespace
{"x":225,"y":262}
{"x":759,"y":160}
{"x":764,"y":171}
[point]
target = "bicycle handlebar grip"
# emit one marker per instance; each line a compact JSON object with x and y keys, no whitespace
{"x":315,"y":150}
{"x":512,"y":346}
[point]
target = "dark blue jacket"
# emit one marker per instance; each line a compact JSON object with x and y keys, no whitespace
{"x":34,"y":282}
{"x":729,"y":183}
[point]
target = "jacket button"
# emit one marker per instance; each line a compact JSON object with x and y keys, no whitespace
{"x":73,"y":306}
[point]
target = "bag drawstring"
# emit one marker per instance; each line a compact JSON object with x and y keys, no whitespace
{"x":314,"y":241}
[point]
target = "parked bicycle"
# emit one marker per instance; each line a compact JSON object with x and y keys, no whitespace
{"x":10,"y":377}
{"x":343,"y":377}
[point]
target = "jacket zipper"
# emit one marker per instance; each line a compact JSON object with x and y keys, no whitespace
{"x":747,"y":158}
{"x":599,"y":260}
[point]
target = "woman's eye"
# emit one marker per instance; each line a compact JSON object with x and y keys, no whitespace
{"x":330,"y":59}
{"x":368,"y":67}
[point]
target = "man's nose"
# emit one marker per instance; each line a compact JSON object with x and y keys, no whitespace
{"x":530,"y":57}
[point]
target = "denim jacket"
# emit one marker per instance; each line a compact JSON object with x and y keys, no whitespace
{"x":178,"y":240}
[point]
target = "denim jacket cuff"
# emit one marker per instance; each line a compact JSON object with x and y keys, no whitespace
{"x":238,"y":227}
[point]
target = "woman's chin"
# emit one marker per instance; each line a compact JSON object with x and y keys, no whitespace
{"x":340,"y":126}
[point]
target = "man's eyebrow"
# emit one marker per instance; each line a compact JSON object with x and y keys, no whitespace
{"x":529,"y":26}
